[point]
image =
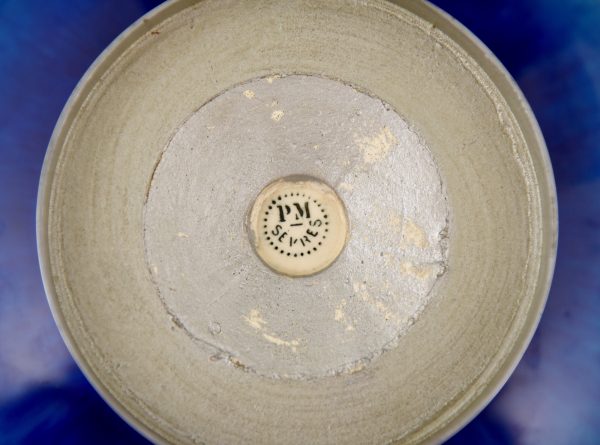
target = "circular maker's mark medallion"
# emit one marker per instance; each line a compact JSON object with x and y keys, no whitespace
{"x":298,"y":226}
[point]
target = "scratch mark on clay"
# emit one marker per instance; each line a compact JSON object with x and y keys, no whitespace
{"x":277,"y":115}
{"x":375,"y":148}
{"x":249,"y":94}
{"x":255,"y":320}
{"x":182,"y":235}
{"x":281,"y":342}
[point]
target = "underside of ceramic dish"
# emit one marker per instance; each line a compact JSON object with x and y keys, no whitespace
{"x":297,"y":222}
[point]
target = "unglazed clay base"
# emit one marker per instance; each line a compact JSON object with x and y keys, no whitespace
{"x":297,"y":222}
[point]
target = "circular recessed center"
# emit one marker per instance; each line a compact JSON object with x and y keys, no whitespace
{"x":298,"y":226}
{"x":269,"y":176}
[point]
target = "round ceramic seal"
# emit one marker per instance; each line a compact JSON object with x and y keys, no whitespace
{"x":298,"y":226}
{"x":295,"y":227}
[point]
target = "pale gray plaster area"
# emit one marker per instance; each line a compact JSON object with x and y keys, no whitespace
{"x":201,"y":258}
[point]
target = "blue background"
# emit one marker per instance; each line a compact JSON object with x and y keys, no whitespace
{"x":551,"y":47}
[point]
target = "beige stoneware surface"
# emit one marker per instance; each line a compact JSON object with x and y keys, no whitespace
{"x":182,"y":375}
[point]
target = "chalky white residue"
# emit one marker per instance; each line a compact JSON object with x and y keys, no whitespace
{"x":375,"y":148}
{"x":413,"y":234}
{"x":341,"y":316}
{"x":277,"y":115}
{"x":255,"y":320}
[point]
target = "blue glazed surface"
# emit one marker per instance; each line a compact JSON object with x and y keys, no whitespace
{"x":551,"y":47}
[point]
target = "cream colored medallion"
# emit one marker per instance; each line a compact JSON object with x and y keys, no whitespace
{"x":298,"y":226}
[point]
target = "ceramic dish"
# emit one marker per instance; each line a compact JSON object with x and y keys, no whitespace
{"x":297,"y":222}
